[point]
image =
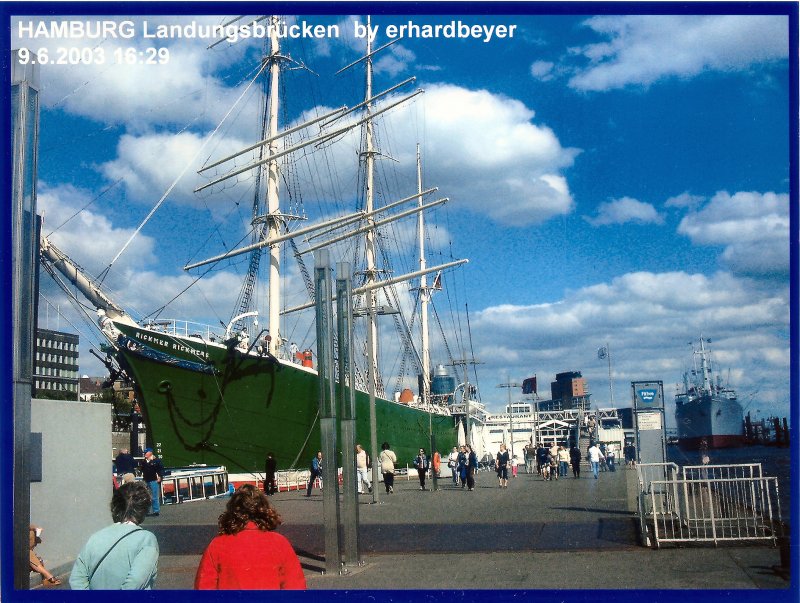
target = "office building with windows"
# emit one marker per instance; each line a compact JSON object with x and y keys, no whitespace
{"x":56,"y":365}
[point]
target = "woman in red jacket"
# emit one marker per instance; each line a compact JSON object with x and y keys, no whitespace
{"x":247,"y":554}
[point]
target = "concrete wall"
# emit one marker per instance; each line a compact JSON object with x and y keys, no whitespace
{"x":72,"y":500}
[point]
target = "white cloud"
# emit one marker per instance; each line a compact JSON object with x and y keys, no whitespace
{"x":180,"y":91}
{"x":150,"y":164}
{"x":642,"y":49}
{"x":76,"y":223}
{"x":752,"y":227}
{"x":621,"y":211}
{"x":484,"y":151}
{"x":542,"y":70}
{"x":685,"y":199}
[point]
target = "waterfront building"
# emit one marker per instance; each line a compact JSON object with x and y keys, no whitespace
{"x":568,"y":391}
{"x":55,"y":370}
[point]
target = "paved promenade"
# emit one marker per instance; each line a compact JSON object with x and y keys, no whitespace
{"x":566,"y":534}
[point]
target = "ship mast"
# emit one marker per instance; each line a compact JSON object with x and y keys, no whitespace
{"x":704,"y":367}
{"x":273,"y":214}
{"x":423,"y":291}
{"x":371,"y":276}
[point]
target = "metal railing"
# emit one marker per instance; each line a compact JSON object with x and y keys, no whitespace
{"x":708,"y":504}
{"x":191,"y":484}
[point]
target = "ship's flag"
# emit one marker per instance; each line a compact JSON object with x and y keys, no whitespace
{"x":529,"y":385}
{"x":602,"y":352}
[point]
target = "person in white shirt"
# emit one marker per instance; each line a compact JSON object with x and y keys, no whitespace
{"x":452,"y":462}
{"x":388,"y":458}
{"x":594,"y":459}
{"x":362,"y":468}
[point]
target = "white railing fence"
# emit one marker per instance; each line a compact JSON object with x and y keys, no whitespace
{"x":708,"y":504}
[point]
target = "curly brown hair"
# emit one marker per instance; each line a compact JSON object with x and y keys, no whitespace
{"x":248,"y":503}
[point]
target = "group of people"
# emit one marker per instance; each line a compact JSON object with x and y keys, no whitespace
{"x":555,"y":462}
{"x":150,"y":468}
{"x":124,"y":556}
{"x":463,"y":463}
{"x":363,"y":464}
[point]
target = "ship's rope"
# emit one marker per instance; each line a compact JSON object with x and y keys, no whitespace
{"x":305,"y":442}
{"x":82,"y":309}
{"x":81,"y":312}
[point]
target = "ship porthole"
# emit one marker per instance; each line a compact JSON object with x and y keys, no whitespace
{"x":165,"y":386}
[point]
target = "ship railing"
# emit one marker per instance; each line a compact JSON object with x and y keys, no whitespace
{"x":185,"y":328}
{"x":708,"y":504}
{"x":286,"y":480}
{"x":188,"y":484}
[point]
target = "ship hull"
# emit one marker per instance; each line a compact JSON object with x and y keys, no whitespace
{"x":208,"y":403}
{"x":714,"y":419}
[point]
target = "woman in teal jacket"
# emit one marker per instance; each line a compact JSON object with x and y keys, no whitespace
{"x":121,"y":556}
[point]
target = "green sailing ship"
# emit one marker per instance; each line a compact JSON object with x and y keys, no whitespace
{"x":228,"y":395}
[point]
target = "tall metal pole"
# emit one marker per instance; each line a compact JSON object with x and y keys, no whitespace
{"x":425,"y":295}
{"x":347,"y":409}
{"x":508,"y":386}
{"x":610,"y":382}
{"x":23,"y":248}
{"x":327,"y":409}
{"x":371,"y":276}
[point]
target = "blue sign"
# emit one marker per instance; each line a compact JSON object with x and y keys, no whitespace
{"x":648,"y":395}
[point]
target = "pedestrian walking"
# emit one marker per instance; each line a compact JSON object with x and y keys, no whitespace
{"x":436,"y":464}
{"x":270,"y":469}
{"x":575,"y":461}
{"x":472,"y":467}
{"x":501,"y":466}
{"x":421,"y":465}
{"x":630,"y":455}
{"x":362,"y":469}
{"x":463,"y":464}
{"x":594,"y":459}
{"x":316,"y":473}
{"x":122,"y":556}
{"x":611,"y":457}
{"x":514,"y":463}
{"x":152,"y":473}
{"x":563,"y":461}
{"x":541,"y":459}
{"x":530,"y":457}
{"x":247,"y":554}
{"x":388,"y":458}
{"x":452,"y":462}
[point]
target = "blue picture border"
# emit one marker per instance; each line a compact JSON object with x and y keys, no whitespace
{"x":11,"y":9}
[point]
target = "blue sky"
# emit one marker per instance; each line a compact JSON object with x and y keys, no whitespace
{"x":619,"y":179}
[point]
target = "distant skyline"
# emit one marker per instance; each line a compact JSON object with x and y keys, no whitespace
{"x":619,"y":180}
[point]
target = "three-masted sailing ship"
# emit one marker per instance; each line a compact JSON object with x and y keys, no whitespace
{"x":228,"y":396}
